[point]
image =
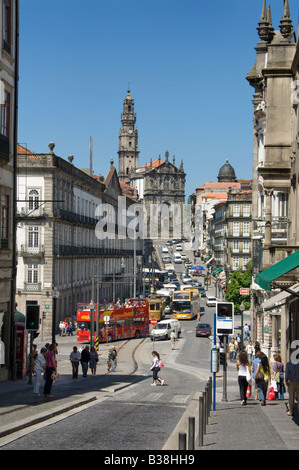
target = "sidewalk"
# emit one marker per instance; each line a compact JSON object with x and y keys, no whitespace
{"x":20,"y":409}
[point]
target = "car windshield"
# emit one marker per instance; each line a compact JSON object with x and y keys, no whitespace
{"x":161,"y":326}
{"x":203,"y":325}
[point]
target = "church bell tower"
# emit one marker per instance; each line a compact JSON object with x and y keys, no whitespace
{"x":128,"y":152}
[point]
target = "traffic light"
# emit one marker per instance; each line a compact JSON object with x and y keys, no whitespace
{"x":32,"y":317}
{"x":224,"y":318}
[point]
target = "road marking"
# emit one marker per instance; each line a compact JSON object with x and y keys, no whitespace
{"x":179,"y":399}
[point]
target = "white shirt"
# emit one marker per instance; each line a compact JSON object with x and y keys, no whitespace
{"x":40,"y":361}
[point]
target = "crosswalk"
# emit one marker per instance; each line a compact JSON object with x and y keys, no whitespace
{"x":157,"y":397}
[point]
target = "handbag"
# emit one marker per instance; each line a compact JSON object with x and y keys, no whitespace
{"x":277,"y":377}
{"x":248,"y":391}
{"x":160,"y":363}
{"x":271,"y":394}
{"x":259,"y":377}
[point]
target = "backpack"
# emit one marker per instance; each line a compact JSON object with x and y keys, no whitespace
{"x":160,"y":364}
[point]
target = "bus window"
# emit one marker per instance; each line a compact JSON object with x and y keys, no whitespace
{"x":120,"y":323}
{"x":128,"y":322}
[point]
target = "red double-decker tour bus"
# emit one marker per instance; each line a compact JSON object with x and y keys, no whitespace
{"x":131,"y":321}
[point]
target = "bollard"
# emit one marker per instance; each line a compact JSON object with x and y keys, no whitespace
{"x":182,"y":441}
{"x":191,"y":433}
{"x":207,"y":404}
{"x":200,"y":421}
{"x":204,"y":411}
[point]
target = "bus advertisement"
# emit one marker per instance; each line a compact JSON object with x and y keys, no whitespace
{"x":185,"y":305}
{"x":131,"y":321}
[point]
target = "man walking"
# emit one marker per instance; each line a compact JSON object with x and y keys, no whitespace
{"x":292,"y":381}
{"x":112,"y":355}
{"x":85,"y":358}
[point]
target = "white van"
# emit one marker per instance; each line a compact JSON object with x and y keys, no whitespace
{"x":164,"y":328}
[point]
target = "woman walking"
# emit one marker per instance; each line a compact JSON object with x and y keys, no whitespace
{"x":243,"y":368}
{"x":155,"y":368}
{"x":278,"y":370}
{"x":262,"y":385}
{"x":51,"y":366}
{"x":39,"y":368}
{"x":93,"y":360}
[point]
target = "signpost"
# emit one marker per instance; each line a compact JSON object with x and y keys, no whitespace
{"x":244,"y":291}
{"x":224,"y":327}
{"x":153,"y":323}
{"x":106,"y":320}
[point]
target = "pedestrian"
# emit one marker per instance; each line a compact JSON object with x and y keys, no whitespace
{"x":156,"y":368}
{"x":75,"y":358}
{"x":232,"y":350}
{"x":262,"y":385}
{"x":51,"y":367}
{"x":112,"y":359}
{"x":246,"y":331}
{"x":292,"y":381}
{"x":61,"y":328}
{"x":255,"y":362}
{"x":244,"y":376}
{"x":239,"y":342}
{"x":93,"y":360}
{"x":172,"y":339}
{"x":69,"y":329}
{"x":278,"y":370}
{"x":39,"y":368}
{"x":85,"y":358}
{"x":256,"y":348}
{"x":250,"y":350}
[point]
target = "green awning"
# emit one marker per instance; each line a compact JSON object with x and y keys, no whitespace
{"x":265,"y":278}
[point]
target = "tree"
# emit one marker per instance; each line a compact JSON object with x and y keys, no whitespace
{"x":237,"y":280}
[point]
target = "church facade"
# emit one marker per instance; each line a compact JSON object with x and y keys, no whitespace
{"x":160,"y":184}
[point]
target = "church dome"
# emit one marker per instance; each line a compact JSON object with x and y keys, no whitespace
{"x":226,"y":173}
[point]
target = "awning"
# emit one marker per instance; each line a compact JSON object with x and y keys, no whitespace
{"x":211,"y":259}
{"x":265,"y":278}
{"x":278,"y":298}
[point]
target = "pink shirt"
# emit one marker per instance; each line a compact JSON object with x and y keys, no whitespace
{"x":49,"y":361}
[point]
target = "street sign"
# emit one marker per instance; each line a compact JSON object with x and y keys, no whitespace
{"x":244,"y":291}
{"x":154,"y":321}
{"x":224,"y":318}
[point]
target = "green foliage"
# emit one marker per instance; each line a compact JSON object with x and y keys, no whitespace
{"x":237,"y":280}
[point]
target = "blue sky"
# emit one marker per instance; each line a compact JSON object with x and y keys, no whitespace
{"x":186,"y":62}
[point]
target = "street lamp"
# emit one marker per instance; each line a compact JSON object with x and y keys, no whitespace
{"x":122,"y":268}
{"x":55,"y":295}
{"x":242,"y":308}
{"x":91,"y":307}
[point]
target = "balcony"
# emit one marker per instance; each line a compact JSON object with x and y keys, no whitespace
{"x":32,"y":251}
{"x":32,"y":287}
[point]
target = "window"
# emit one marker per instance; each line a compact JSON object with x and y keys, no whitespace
{"x":235,"y":262}
{"x":4,"y":221}
{"x":33,"y":234}
{"x":236,"y":246}
{"x":33,"y":199}
{"x":246,"y":228}
{"x":5,"y":114}
{"x":246,"y":246}
{"x":246,"y":210}
{"x":32,"y":274}
{"x":236,"y":229}
{"x":236,"y":210}
{"x":6,"y":25}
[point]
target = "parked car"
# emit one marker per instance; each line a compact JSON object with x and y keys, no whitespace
{"x":211,"y":301}
{"x":164,"y":249}
{"x":179,"y":247}
{"x":203,"y":329}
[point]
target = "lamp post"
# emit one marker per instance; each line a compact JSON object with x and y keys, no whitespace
{"x":242,"y":308}
{"x":122,"y":268}
{"x":91,"y":307}
{"x":55,"y":295}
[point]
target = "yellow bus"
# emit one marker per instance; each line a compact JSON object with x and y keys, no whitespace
{"x":185,"y":305}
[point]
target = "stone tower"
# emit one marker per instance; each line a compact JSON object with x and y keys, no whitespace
{"x":128,"y":152}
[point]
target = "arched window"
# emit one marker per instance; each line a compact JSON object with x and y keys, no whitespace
{"x":33,"y":199}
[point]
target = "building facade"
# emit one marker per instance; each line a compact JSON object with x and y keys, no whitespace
{"x":8,"y":139}
{"x":69,"y":236}
{"x":274,"y":78}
